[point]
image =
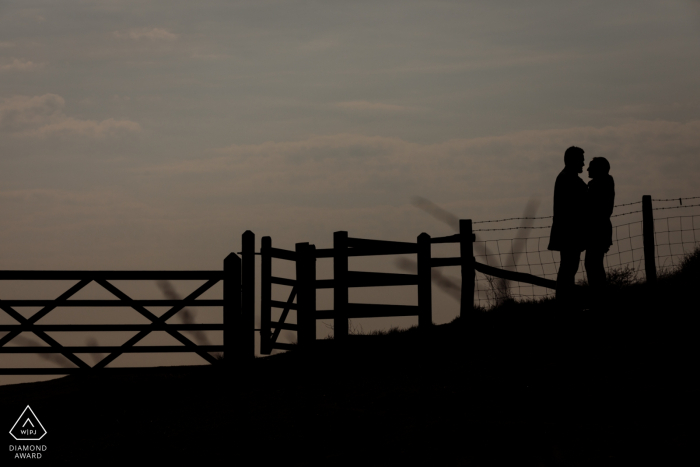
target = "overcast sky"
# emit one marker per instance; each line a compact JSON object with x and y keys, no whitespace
{"x":151,"y":134}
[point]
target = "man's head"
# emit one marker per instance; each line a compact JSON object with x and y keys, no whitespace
{"x":573,"y":159}
{"x":598,"y":166}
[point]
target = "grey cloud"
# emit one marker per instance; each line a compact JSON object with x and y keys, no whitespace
{"x":19,"y":112}
{"x":19,"y":65}
{"x":323,"y":170}
{"x":365,"y":106}
{"x":147,"y":33}
{"x":43,"y":116}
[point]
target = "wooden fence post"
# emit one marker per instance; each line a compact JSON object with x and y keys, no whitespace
{"x":466,"y":254}
{"x":232,"y":310}
{"x":340,"y":286}
{"x":425,"y":296}
{"x":310,"y":320}
{"x":648,"y":233}
{"x":300,"y":266}
{"x":306,"y":294}
{"x":265,"y":295}
{"x":248,"y":294}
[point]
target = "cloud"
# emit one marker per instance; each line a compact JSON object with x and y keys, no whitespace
{"x":87,"y":127}
{"x":210,"y":56}
{"x":147,"y":33}
{"x":371,"y":106}
{"x":318,"y":45}
{"x":476,"y":175}
{"x":6,"y":44}
{"x":20,"y":65}
{"x":43,"y":116}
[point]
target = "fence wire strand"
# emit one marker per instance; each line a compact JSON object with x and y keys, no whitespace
{"x":675,"y":199}
{"x":674,"y":238}
{"x":550,"y":217}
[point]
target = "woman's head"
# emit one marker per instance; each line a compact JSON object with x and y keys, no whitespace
{"x":598,"y":166}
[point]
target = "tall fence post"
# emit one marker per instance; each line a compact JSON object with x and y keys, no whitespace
{"x":466,"y":254}
{"x":340,"y":286}
{"x":232,"y":310}
{"x":425,"y":297}
{"x":301,"y":281}
{"x":310,"y":320}
{"x":265,"y":296}
{"x":648,"y":233}
{"x":248,"y":294}
{"x":306,"y":294}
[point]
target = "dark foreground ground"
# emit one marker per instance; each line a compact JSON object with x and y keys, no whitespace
{"x":520,"y":386}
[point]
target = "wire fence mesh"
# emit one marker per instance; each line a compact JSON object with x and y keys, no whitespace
{"x":675,"y":237}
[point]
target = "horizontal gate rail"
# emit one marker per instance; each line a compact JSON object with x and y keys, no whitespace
{"x":449,"y":239}
{"x":279,"y":253}
{"x":109,"y":327}
{"x":111,"y":303}
{"x":110,"y":275}
{"x":371,"y":251}
{"x":112,"y":348}
{"x":324,"y":252}
{"x":283,"y":281}
{"x":74,"y":371}
{"x":379,"y":247}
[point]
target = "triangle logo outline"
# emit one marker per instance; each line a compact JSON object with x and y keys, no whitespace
{"x":27,"y":417}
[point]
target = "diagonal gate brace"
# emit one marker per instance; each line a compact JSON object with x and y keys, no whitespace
{"x":285,"y":312}
{"x":155,"y":320}
{"x":40,"y":314}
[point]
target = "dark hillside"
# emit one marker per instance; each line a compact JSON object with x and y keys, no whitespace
{"x":524,"y":384}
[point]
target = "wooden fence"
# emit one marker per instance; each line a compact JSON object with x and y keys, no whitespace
{"x":304,"y":287}
{"x":238,"y":276}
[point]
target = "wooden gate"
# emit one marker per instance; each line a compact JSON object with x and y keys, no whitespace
{"x":231,"y":323}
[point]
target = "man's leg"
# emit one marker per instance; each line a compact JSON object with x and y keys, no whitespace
{"x":566,"y":278}
{"x":596,"y":273}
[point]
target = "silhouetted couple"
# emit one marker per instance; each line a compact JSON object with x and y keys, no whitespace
{"x":582,"y":222}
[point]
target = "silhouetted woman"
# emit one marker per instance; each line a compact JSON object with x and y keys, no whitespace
{"x":600,"y":201}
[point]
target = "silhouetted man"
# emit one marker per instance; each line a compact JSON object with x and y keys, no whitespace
{"x":600,"y":202}
{"x":567,"y":234}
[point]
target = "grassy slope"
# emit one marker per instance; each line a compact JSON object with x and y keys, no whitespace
{"x":524,"y":384}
